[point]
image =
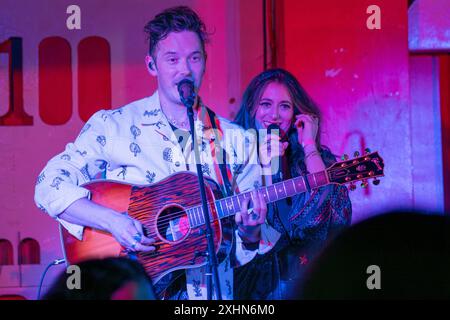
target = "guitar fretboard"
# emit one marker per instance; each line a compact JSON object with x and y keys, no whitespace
{"x":229,"y":206}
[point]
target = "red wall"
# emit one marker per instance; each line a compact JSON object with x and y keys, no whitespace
{"x":359,"y":78}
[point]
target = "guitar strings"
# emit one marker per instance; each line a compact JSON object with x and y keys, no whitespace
{"x":173,"y":215}
{"x":167,"y":218}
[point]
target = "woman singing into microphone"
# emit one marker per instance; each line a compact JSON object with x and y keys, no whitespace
{"x":306,"y":221}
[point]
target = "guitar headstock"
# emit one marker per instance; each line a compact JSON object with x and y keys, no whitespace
{"x":360,"y":168}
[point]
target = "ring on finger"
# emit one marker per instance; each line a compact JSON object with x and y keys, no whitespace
{"x":137,"y":237}
{"x":133,"y":245}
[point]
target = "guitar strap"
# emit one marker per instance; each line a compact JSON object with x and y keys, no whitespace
{"x":223,"y":172}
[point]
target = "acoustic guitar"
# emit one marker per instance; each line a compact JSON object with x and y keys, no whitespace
{"x":171,"y":213}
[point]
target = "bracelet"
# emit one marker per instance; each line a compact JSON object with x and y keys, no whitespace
{"x":309,"y":147}
{"x":308,"y":142}
{"x":315,"y":152}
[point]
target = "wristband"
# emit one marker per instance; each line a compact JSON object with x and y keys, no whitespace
{"x":254,"y":238}
{"x":312,"y":153}
{"x":308,"y":142}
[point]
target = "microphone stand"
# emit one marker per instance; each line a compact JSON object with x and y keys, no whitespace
{"x":276,"y":163}
{"x":211,"y":255}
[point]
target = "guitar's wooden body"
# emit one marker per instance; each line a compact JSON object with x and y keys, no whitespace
{"x":177,"y":245}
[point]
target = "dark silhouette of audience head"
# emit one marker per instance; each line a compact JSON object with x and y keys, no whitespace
{"x":398,"y":255}
{"x":105,"y":279}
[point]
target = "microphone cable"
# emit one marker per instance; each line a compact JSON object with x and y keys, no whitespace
{"x":51,"y":264}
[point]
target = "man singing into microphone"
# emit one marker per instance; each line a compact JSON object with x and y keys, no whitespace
{"x":148,"y":140}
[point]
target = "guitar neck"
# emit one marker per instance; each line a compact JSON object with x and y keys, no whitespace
{"x":229,"y":206}
{"x":367,"y":166}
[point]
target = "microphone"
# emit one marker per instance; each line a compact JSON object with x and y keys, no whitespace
{"x":277,"y":175}
{"x":186,"y":89}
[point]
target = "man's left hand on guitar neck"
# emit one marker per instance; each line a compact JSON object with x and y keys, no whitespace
{"x":249,"y":221}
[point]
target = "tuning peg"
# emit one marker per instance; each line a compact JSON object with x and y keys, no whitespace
{"x":356,"y":154}
{"x":364,"y":184}
{"x":344,"y":157}
{"x":367,"y":150}
{"x":352,"y":186}
{"x":376,"y":181}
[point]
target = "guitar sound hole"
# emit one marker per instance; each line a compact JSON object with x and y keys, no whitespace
{"x":173,"y":223}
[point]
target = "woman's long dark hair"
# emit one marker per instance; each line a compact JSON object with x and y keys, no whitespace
{"x":303,"y":104}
